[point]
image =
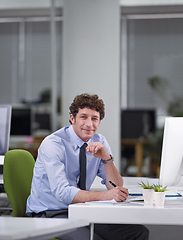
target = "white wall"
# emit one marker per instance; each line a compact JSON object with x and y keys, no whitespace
{"x":91,"y":60}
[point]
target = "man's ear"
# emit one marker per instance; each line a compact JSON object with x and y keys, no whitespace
{"x":72,"y":119}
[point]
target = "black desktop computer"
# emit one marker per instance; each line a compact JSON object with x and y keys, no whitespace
{"x":137,"y":123}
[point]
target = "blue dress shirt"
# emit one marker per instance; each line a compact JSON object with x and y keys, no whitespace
{"x":56,"y":171}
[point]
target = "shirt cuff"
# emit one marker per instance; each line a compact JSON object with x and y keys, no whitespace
{"x":70,"y":194}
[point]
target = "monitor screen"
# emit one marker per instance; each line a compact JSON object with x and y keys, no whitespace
{"x":42,"y":121}
{"x":172,"y":152}
{"x":5,"y":119}
{"x":137,"y":123}
{"x":21,"y":122}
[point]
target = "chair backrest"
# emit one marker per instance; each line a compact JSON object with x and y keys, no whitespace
{"x":17,"y":176}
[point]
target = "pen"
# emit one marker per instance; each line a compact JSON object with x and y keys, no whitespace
{"x":113,"y":184}
{"x":135,"y":194}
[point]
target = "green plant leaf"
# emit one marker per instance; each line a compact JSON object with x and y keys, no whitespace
{"x":159,"y":188}
{"x":145,"y":186}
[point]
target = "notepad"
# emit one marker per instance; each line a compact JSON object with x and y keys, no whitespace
{"x":112,"y":202}
{"x":102,"y":202}
{"x":135,"y":191}
{"x":138,"y":198}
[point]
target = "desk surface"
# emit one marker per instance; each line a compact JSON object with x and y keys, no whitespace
{"x":170,"y":214}
{"x":36,"y":228}
{"x":130,"y":213}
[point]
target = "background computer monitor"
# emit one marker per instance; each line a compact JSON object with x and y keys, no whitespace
{"x":137,"y":123}
{"x":42,"y":123}
{"x":172,"y":152}
{"x":5,"y":119}
{"x":21,"y":123}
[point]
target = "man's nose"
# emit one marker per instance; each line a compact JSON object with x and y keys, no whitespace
{"x":89,"y":122}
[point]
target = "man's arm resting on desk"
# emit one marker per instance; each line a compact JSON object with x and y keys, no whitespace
{"x":118,"y":193}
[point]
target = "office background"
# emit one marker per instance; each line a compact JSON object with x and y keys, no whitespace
{"x":52,"y":50}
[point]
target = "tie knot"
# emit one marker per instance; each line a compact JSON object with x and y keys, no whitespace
{"x":84,"y":146}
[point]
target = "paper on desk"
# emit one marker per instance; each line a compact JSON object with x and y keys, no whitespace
{"x":107,"y":202}
{"x":137,"y":191}
{"x":103,"y":202}
{"x":139,"y":198}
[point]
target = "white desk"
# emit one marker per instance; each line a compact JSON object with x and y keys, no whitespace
{"x":170,"y":214}
{"x":36,"y":228}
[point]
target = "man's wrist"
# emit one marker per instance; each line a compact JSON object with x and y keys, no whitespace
{"x":111,"y":159}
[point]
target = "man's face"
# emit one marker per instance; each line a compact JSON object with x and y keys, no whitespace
{"x":86,"y":123}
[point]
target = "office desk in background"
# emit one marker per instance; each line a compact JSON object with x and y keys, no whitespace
{"x":139,"y":148}
{"x":36,"y":228}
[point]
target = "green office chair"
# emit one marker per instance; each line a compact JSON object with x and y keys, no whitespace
{"x":17,"y":176}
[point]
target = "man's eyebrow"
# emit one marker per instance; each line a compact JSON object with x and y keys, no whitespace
{"x":84,"y":114}
{"x":95,"y":116}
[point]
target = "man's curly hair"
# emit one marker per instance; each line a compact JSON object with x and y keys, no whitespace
{"x":89,"y":101}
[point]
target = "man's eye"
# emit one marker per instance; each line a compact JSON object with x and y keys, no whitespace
{"x":83,"y":117}
{"x":95,"y":119}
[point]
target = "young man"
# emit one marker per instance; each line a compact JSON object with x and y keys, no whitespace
{"x":56,"y":181}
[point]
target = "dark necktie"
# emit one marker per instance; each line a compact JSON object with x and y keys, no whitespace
{"x":82,"y":162}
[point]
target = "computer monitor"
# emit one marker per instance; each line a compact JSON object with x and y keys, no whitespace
{"x":5,"y":119}
{"x":42,"y":122}
{"x":137,"y":123}
{"x":21,"y":123}
{"x":172,"y":152}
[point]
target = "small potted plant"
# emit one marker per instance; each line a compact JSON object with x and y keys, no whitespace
{"x":159,"y":194}
{"x":148,"y":193}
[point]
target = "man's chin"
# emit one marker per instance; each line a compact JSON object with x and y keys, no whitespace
{"x":88,"y":136}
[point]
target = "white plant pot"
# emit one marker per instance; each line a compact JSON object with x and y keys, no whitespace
{"x":159,"y":199}
{"x":148,"y":195}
